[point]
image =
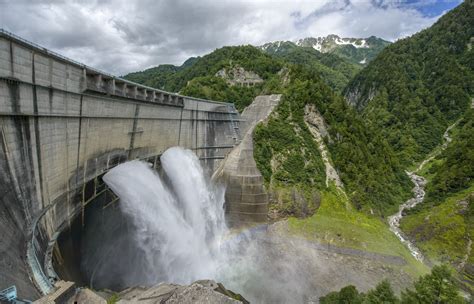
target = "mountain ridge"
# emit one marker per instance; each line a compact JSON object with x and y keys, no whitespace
{"x":337,"y":65}
{"x":357,"y":50}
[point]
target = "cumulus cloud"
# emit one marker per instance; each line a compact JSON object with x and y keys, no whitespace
{"x":121,"y":36}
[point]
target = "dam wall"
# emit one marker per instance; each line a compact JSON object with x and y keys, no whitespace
{"x":246,"y":196}
{"x":62,"y":126}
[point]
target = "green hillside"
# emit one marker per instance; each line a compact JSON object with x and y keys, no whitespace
{"x":417,"y":86}
{"x":161,"y":76}
{"x":443,"y":226}
{"x":284,"y":148}
{"x":334,"y":70}
{"x":197,"y":76}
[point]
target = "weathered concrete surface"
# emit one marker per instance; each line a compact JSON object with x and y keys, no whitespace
{"x":246,"y":197}
{"x":62,"y":125}
{"x":204,"y":291}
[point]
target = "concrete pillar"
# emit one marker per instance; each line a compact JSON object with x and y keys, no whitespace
{"x":123,"y":89}
{"x":83,"y":78}
{"x":98,"y":82}
{"x":134,"y":91}
{"x":111,"y":86}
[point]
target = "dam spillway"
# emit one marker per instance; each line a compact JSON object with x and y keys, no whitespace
{"x":62,"y":126}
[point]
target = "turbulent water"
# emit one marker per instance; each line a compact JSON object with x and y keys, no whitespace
{"x":166,"y":227}
{"x":178,"y":218}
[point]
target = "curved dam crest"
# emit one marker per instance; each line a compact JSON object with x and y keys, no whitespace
{"x":62,"y":126}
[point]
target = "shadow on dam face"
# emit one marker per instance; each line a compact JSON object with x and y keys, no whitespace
{"x":166,"y":227}
{"x":97,"y":250}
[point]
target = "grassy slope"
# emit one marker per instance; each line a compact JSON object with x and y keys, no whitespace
{"x":441,"y":231}
{"x":337,"y":223}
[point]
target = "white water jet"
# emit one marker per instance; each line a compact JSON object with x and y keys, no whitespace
{"x":178,"y":219}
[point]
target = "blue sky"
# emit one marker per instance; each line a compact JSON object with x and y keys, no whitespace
{"x":430,"y":8}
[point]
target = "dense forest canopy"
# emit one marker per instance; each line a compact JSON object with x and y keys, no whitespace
{"x":419,"y":85}
{"x":367,"y":164}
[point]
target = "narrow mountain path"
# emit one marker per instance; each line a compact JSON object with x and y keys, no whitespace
{"x":418,"y":197}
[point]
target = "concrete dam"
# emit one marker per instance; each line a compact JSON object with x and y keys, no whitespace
{"x":63,"y":125}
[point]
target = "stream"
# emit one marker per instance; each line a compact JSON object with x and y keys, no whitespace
{"x":418,"y":197}
{"x":394,"y":220}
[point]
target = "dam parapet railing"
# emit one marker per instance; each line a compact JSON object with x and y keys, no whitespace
{"x":92,"y":79}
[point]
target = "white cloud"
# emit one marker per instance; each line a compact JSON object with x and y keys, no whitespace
{"x":122,"y":36}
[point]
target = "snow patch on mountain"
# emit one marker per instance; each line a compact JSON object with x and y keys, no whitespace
{"x":328,"y":43}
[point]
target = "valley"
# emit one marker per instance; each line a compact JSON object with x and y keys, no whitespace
{"x":338,"y":168}
{"x":323,"y":168}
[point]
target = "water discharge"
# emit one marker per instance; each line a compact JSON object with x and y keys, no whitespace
{"x":178,"y":218}
{"x":170,"y":227}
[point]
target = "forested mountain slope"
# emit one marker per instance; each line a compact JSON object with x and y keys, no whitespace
{"x":334,"y":70}
{"x":418,"y":85}
{"x":285,"y":149}
{"x":336,"y":63}
{"x":160,"y":77}
{"x":199,"y":77}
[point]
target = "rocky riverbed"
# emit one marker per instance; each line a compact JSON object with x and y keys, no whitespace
{"x":418,"y":196}
{"x":394,"y":220}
